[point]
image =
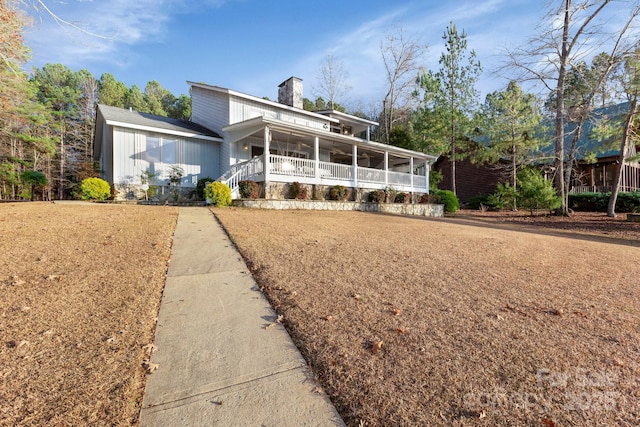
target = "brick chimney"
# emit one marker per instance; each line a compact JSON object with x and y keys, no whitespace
{"x":290,"y":92}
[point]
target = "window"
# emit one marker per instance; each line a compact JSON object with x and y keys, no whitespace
{"x":152,"y":152}
{"x":168,"y":151}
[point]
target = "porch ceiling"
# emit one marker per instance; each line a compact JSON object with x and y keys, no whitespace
{"x":288,"y":133}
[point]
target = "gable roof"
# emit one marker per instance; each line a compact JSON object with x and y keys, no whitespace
{"x":133,"y":119}
{"x":261,"y":101}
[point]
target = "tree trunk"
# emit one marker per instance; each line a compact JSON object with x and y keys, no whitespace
{"x":559,"y":152}
{"x":628,"y":124}
{"x":514,"y":174}
{"x":61,"y":182}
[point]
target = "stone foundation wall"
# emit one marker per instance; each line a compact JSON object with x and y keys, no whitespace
{"x":130,"y":192}
{"x":280,"y":191}
{"x":428,"y":210}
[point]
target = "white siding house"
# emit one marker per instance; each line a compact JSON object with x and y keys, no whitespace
{"x":233,"y":136}
{"x":276,"y":143}
{"x":129,"y":143}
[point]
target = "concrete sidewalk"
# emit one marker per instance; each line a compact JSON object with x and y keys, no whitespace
{"x":218,"y":365}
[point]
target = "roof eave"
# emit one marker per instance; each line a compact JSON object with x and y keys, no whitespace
{"x":195,"y":135}
{"x":285,"y":126}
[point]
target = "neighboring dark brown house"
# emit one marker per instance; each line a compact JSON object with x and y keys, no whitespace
{"x":594,"y":171}
{"x":472,"y":180}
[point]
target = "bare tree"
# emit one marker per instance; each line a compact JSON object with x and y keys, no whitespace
{"x":573,"y":30}
{"x":631,"y":84}
{"x":333,"y":81}
{"x":401,"y":56}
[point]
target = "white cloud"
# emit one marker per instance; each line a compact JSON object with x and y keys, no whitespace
{"x":86,"y":31}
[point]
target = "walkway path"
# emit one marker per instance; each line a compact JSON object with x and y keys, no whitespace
{"x":217,"y":364}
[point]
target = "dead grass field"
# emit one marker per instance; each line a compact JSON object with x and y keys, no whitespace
{"x":408,"y":321}
{"x":405,"y":321}
{"x":80,"y":288}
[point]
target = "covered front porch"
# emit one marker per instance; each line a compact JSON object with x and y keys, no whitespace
{"x":268,"y":150}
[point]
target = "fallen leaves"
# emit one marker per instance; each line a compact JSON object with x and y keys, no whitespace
{"x":149,"y":366}
{"x":149,"y":349}
{"x":279,"y":320}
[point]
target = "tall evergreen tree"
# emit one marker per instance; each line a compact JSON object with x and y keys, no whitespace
{"x":111,"y":91}
{"x":58,"y":88}
{"x":135,"y":100}
{"x":154,"y":94}
{"x":450,"y":96}
{"x":510,"y":122}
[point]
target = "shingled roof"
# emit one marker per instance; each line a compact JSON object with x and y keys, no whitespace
{"x":135,"y":118}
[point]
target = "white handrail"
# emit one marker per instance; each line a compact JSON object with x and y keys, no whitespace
{"x":240,"y":172}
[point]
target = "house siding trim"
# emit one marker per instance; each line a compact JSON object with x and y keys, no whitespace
{"x":163,"y":131}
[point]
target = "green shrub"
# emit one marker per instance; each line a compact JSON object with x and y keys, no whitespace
{"x":535,"y":192}
{"x":598,"y":202}
{"x":249,"y":189}
{"x":481,"y":201}
{"x":449,"y":200}
{"x":218,"y":194}
{"x":504,"y":197}
{"x":627,"y":202}
{"x":298,"y":191}
{"x":33,"y":180}
{"x":95,"y":189}
{"x":435,"y":177}
{"x":201,"y":184}
{"x":377,"y":196}
{"x":339,"y":192}
{"x":402,"y":198}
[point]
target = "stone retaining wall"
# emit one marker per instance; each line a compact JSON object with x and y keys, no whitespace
{"x":429,"y":210}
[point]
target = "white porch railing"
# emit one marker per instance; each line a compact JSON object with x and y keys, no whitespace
{"x":251,"y":169}
{"x":371,"y":176}
{"x":289,"y":169}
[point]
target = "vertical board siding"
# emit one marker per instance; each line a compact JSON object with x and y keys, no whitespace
{"x":245,"y":109}
{"x":197,"y":158}
{"x":211,"y":110}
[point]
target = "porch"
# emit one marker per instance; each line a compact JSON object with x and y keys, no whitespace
{"x":271,"y":151}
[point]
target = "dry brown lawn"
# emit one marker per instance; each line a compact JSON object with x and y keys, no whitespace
{"x":409,"y":321}
{"x":405,"y":321}
{"x":80,"y":288}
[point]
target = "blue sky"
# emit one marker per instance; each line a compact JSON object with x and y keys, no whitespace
{"x":253,"y":45}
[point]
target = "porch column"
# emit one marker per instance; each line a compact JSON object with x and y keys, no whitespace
{"x":265,"y":155}
{"x":411,"y":171}
{"x":386,"y":168}
{"x":316,"y":156}
{"x":354,"y":162}
{"x":426,"y":175}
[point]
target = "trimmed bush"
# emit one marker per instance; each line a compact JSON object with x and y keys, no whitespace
{"x":402,"y":198}
{"x":339,"y":192}
{"x":298,"y":191}
{"x":449,"y":200}
{"x":202,"y":183}
{"x":598,"y":202}
{"x":249,"y":189}
{"x":95,"y":189}
{"x":429,"y":199}
{"x":218,"y":194}
{"x":377,"y":196}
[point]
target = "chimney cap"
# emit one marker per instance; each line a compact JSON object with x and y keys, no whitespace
{"x":290,"y":78}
